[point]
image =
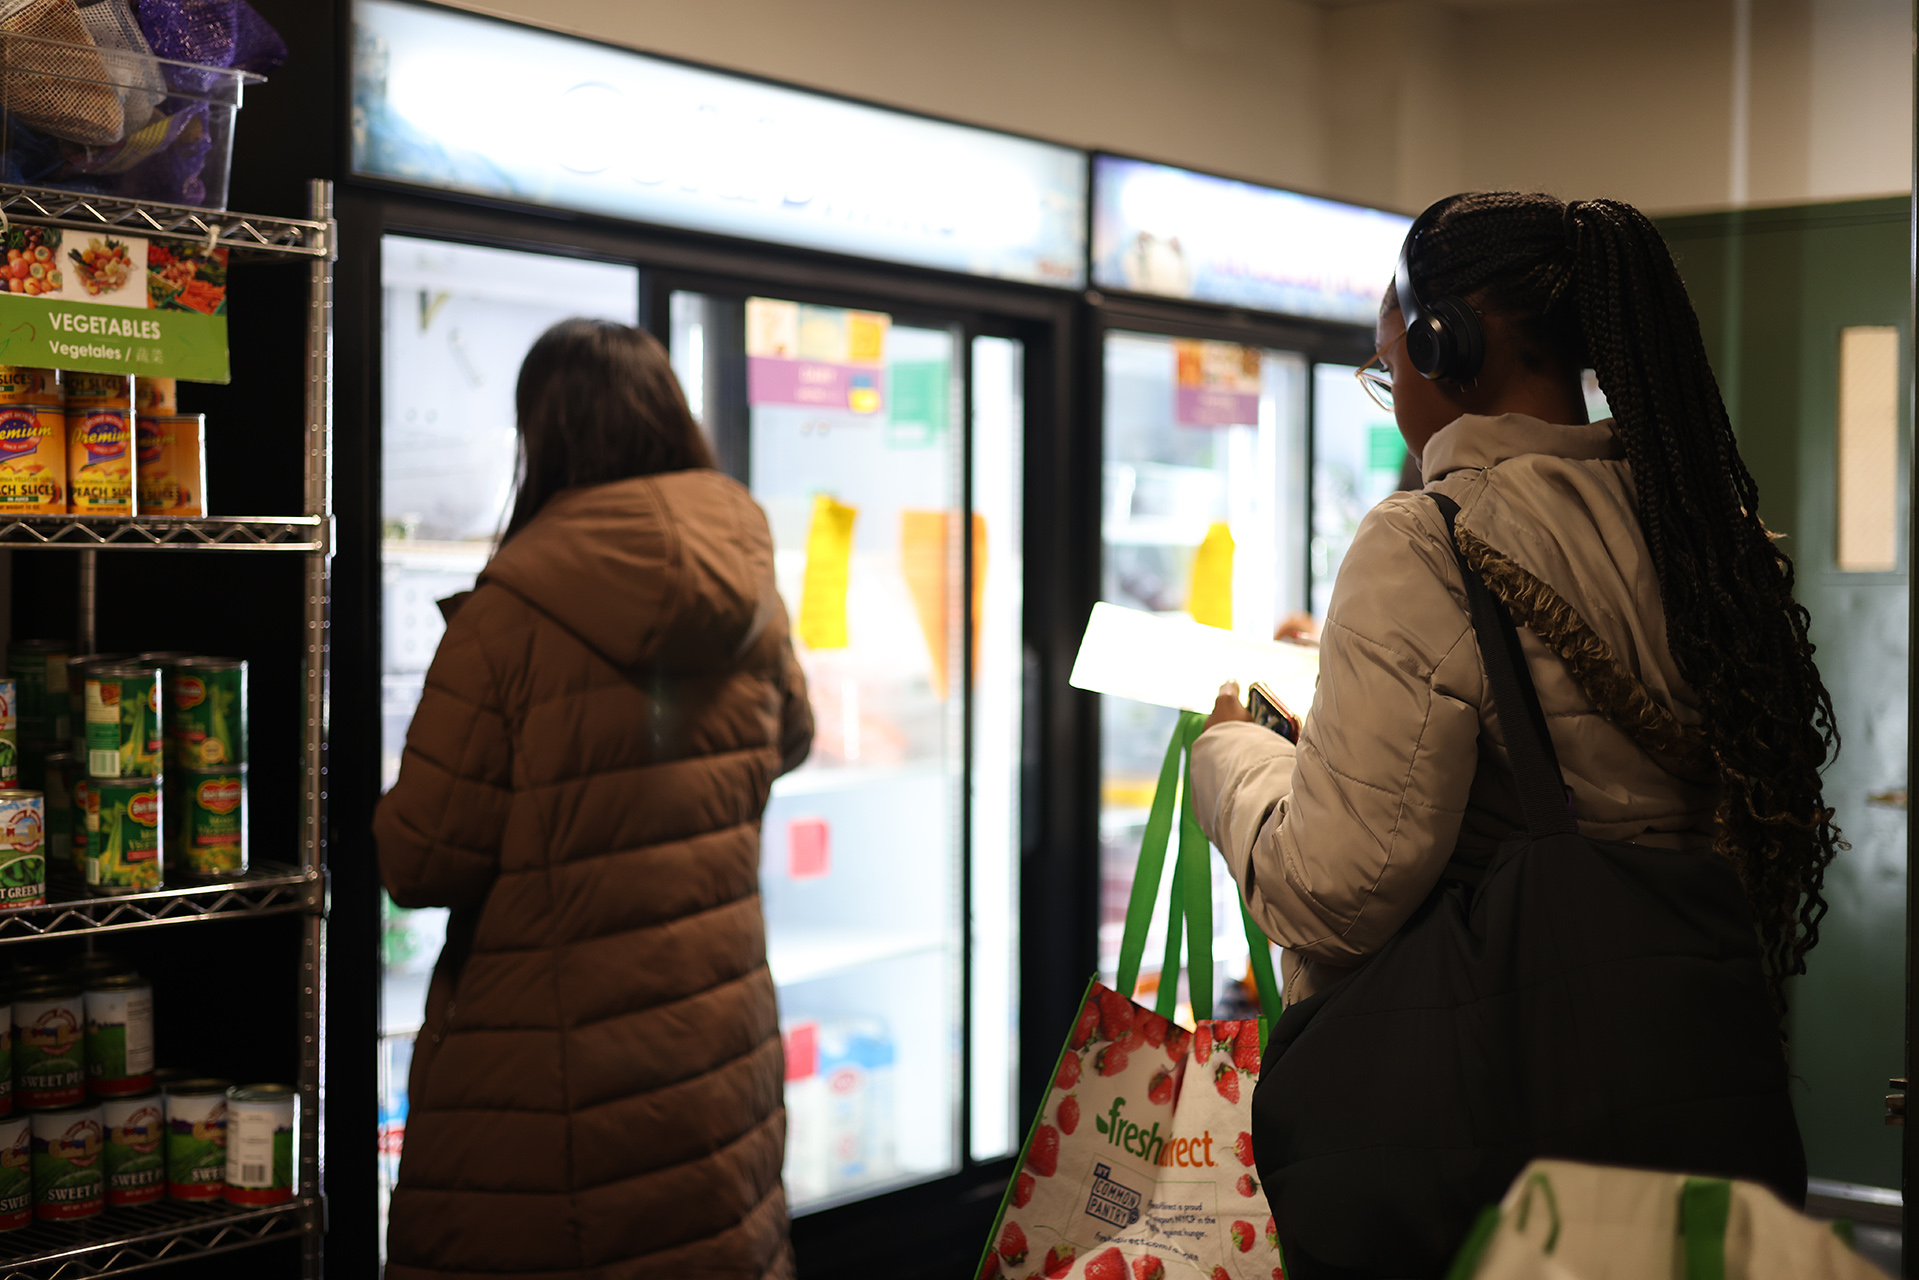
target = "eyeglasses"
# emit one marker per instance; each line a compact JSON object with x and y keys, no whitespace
{"x":1376,"y":378}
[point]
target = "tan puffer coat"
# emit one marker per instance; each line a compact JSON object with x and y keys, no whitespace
{"x":1401,"y":765}
{"x":597,"y":1089}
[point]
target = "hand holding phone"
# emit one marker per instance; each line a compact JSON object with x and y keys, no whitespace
{"x":1270,"y":713}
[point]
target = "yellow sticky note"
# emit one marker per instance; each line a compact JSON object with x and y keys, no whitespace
{"x":829,"y":555}
{"x":927,"y":559}
{"x":1211,"y":601}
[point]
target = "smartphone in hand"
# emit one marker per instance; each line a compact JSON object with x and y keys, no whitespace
{"x":1270,"y":713}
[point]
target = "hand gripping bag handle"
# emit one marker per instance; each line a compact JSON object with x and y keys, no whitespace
{"x":1190,"y":908}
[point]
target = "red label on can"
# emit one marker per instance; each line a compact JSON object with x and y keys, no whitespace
{"x":195,"y":1190}
{"x":220,"y":795}
{"x":145,"y":808}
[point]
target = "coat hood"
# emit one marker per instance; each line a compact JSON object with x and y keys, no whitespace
{"x":673,"y":570}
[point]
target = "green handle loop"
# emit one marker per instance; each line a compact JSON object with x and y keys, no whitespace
{"x":1196,"y":877}
{"x":1152,"y":859}
{"x":1705,"y":1207}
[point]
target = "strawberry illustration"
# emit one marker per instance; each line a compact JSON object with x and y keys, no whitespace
{"x":1012,"y":1244}
{"x":1243,"y":1148}
{"x":1022,"y":1190}
{"x":1088,"y":1023}
{"x":1177,"y":1041}
{"x":1115,"y":1014}
{"x":1153,"y":1027}
{"x":1242,"y":1233}
{"x":1069,"y":1069}
{"x":1202,"y":1043}
{"x":1272,"y":1233}
{"x":1043,"y":1159}
{"x":1279,"y":1273}
{"x":989,"y":1269}
{"x":1068,"y":1113}
{"x":1059,"y":1260}
{"x":1226,"y":1080}
{"x":1111,"y":1060}
{"x":1219,"y":1273}
{"x":1107,"y":1266}
{"x":1148,"y":1269}
{"x":1160,"y":1091}
{"x":1246,"y":1046}
{"x":1133,"y":1039}
{"x":1246,"y":1186}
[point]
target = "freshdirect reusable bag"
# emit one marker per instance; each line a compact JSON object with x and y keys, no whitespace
{"x":1567,"y":1221}
{"x":1140,"y":1163}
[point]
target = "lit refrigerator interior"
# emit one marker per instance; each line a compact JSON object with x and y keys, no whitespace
{"x":1203,"y":515}
{"x":457,"y":321}
{"x":851,"y":435}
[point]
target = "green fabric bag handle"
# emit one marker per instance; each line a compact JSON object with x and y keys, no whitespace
{"x":1705,"y":1207}
{"x":1152,"y":860}
{"x":1190,"y":906}
{"x":1196,"y":878}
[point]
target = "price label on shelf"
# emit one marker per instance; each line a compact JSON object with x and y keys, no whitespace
{"x":102,"y":302}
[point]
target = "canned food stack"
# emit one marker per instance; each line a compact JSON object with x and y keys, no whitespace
{"x":100,"y":1129}
{"x":125,"y":747}
{"x":98,"y":444}
{"x":207,"y":754}
{"x":23,"y":816}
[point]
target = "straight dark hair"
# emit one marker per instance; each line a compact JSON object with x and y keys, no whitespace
{"x":597,"y":402}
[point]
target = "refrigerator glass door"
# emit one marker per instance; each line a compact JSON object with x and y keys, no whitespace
{"x":848,"y":428}
{"x":457,"y":321}
{"x":1358,"y":458}
{"x":1203,"y":515}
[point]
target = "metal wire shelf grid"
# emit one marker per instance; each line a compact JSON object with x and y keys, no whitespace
{"x":147,"y":533}
{"x":269,"y":889}
{"x":143,"y":1236}
{"x":242,"y":234}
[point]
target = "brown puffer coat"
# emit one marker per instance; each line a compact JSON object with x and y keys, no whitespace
{"x":597,"y":1089}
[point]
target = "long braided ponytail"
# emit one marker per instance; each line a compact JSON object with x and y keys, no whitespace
{"x":1592,"y":283}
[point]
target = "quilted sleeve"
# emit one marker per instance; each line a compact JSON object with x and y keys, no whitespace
{"x":1336,"y":844}
{"x":439,"y":828}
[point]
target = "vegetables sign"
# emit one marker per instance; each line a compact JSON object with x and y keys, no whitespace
{"x":102,"y":302}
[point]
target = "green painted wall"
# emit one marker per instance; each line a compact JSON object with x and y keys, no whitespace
{"x":1773,"y":288}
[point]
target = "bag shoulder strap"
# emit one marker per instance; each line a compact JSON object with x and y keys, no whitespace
{"x":1529,"y":746}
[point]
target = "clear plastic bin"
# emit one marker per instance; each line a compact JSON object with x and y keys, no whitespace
{"x":84,"y":118}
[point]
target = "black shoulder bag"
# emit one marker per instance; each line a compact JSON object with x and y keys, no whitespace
{"x":1588,"y":1000}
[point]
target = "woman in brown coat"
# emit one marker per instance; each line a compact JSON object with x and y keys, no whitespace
{"x":597,"y":1088}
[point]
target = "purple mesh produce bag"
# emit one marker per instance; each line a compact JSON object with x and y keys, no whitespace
{"x":213,"y":33}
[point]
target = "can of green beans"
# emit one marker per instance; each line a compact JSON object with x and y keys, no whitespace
{"x":124,"y":724}
{"x":23,"y":853}
{"x":212,"y":818}
{"x":123,"y":835}
{"x":208,"y":715}
{"x":77,"y":668}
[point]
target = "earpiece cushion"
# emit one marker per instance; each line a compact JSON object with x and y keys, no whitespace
{"x":1452,"y":338}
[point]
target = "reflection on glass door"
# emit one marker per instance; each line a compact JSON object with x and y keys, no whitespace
{"x":1203,"y":516}
{"x":847,"y":426}
{"x":456,"y":322}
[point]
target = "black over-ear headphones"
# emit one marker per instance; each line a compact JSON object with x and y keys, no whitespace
{"x":1444,"y":338}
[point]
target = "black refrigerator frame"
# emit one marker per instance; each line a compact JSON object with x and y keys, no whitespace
{"x":935,"y":1228}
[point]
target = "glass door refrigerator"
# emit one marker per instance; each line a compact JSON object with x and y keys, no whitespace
{"x":1237,"y":452}
{"x":890,"y":872}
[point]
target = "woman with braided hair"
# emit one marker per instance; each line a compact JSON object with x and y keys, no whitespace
{"x":1655,"y":616}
